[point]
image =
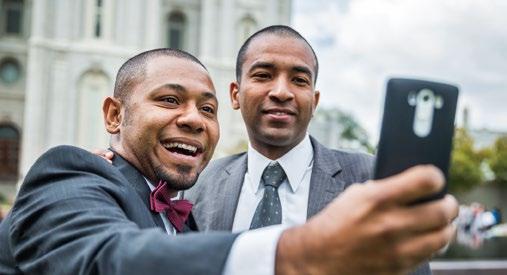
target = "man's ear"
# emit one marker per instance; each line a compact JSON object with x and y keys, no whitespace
{"x":316,"y":98}
{"x":234,"y":95}
{"x":112,"y":114}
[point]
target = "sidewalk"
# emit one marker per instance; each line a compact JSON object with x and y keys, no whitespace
{"x":469,"y":267}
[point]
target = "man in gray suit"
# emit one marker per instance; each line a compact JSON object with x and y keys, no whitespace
{"x":77,"y":214}
{"x":276,"y":72}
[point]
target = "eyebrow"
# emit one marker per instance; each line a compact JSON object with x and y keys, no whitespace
{"x":182,"y":90}
{"x":267,"y":65}
{"x":173,"y":86}
{"x":262,"y":65}
{"x":209,"y":95}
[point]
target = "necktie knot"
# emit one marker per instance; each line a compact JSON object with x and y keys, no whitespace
{"x":176,"y":211}
{"x":273,"y":175}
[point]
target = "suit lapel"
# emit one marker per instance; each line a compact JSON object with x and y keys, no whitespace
{"x":229,"y":188}
{"x":325,"y":184}
{"x":138,"y":183}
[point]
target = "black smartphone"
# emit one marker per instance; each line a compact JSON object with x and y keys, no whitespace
{"x":417,"y":127}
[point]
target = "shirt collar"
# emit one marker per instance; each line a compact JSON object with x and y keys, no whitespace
{"x":294,"y":163}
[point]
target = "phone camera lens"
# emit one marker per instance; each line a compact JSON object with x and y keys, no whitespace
{"x":426,"y":97}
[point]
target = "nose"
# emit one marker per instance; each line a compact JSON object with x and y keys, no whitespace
{"x":281,"y":91}
{"x":191,"y":120}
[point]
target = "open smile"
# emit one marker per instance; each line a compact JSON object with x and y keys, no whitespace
{"x":184,"y":148}
{"x":279,"y":111}
{"x":279,"y":114}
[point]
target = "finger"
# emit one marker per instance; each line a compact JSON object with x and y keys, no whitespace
{"x":109,"y":155}
{"x":106,"y":159}
{"x":422,"y":247}
{"x":412,"y":184}
{"x":425,"y":217}
{"x":100,"y":152}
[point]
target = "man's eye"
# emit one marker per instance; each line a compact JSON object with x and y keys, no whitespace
{"x":208,"y":109}
{"x":170,"y":100}
{"x":301,"y":81}
{"x":261,"y":75}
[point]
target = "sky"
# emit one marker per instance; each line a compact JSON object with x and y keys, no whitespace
{"x":362,"y":43}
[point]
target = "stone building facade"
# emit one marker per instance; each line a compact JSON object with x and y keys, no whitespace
{"x":59,"y":58}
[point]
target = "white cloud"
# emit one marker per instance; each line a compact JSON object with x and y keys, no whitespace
{"x":360,"y":43}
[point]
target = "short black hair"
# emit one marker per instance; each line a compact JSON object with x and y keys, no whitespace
{"x":281,"y":30}
{"x":134,"y":69}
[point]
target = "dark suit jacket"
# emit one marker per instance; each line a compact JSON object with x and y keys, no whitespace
{"x":77,"y":214}
{"x":217,"y":191}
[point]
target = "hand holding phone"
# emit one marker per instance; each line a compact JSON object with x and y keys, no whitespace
{"x":417,"y":127}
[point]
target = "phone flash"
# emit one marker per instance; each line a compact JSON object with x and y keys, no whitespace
{"x":424,"y":107}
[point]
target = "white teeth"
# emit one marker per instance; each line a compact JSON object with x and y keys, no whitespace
{"x":188,"y":147}
{"x":278,"y":113}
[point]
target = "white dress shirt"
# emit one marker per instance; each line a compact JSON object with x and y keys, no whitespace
{"x":293,"y":192}
{"x":252,"y":253}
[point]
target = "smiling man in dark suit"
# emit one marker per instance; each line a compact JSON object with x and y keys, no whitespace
{"x":76,"y":214}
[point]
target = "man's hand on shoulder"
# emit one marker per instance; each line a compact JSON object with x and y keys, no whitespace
{"x":105,"y":154}
{"x":372,"y":228}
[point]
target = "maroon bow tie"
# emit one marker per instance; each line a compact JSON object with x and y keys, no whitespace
{"x":176,"y":211}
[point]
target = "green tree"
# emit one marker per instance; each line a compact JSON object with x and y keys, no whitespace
{"x":498,"y":160}
{"x":240,"y":146}
{"x":465,"y":171}
{"x":353,"y":131}
{"x":3,"y":198}
{"x":342,"y":127}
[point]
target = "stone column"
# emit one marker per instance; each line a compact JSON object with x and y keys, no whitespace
{"x":271,"y":11}
{"x":227,"y":32}
{"x":35,"y":98}
{"x":208,"y":35}
{"x":153,"y":27}
{"x":58,"y":102}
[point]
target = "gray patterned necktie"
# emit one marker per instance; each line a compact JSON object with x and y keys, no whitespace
{"x":269,"y":210}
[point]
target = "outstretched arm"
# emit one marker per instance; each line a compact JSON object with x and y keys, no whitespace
{"x":372,"y":228}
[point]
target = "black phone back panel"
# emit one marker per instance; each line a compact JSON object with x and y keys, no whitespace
{"x":401,"y":145}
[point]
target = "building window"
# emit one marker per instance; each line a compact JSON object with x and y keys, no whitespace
{"x":9,"y":152}
{"x":10,"y":71}
{"x":246,"y":27}
{"x":176,"y":30}
{"x":98,"y":18}
{"x":12,"y":15}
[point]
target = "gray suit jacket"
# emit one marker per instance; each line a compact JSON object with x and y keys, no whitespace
{"x":216,"y":193}
{"x":77,"y":214}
